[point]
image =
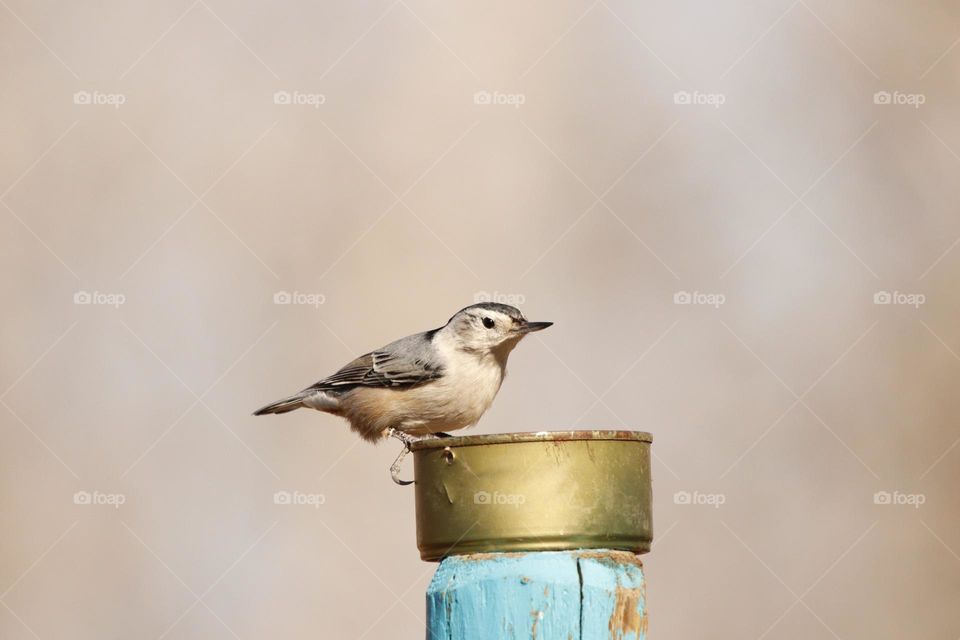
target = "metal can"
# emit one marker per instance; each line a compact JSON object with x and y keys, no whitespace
{"x":545,"y":491}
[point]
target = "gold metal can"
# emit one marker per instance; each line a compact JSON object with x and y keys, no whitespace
{"x":546,"y":491}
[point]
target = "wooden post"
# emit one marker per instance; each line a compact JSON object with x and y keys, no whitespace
{"x":578,"y":595}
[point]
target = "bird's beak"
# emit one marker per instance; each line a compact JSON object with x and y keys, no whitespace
{"x":530,"y":327}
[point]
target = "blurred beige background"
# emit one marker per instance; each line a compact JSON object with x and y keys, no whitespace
{"x":600,"y":163}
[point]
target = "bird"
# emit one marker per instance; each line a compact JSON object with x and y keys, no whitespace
{"x":425,"y":384}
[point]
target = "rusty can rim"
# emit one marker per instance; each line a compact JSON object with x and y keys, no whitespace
{"x":533,"y":436}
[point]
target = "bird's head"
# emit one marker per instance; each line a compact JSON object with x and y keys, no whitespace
{"x":490,"y":327}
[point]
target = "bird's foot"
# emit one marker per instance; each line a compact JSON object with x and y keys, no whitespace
{"x":402,"y":436}
{"x":395,"y":469}
{"x":407,"y":440}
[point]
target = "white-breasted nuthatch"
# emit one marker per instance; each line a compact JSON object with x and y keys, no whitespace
{"x":424,"y":384}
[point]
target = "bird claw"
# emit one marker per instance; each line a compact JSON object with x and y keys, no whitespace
{"x":407,"y":440}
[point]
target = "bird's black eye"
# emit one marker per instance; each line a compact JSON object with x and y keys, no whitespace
{"x":488,"y":323}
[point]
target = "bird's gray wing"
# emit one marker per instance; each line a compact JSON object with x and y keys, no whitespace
{"x":405,"y":363}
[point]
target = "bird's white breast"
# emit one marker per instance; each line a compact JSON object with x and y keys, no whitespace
{"x":469,"y":384}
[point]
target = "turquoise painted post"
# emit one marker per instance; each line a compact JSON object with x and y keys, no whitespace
{"x":549,"y":595}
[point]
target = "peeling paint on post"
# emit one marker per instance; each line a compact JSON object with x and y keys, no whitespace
{"x":548,"y":595}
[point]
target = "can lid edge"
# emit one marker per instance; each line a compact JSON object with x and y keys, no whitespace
{"x":532,"y":436}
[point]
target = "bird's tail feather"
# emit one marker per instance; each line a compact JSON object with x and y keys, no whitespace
{"x":282,"y":406}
